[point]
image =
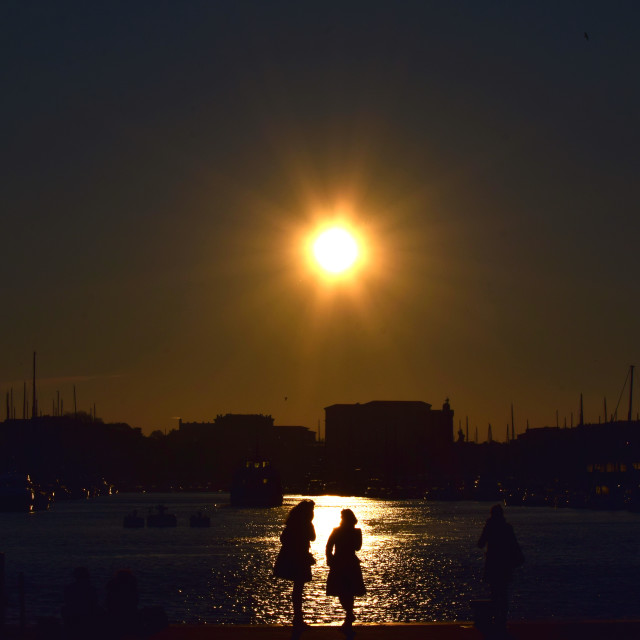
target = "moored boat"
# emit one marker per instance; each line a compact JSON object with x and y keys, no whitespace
{"x":256,"y":484}
{"x":199,"y":520}
{"x":161,"y":518}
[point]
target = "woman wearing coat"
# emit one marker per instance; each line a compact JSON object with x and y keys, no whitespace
{"x":345,"y":575}
{"x":294,"y":559}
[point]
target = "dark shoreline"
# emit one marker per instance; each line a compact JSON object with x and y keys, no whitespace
{"x":519,"y":630}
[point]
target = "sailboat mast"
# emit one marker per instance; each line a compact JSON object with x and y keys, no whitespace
{"x":34,"y":402}
{"x":630,"y":392}
{"x":581,"y":411}
{"x":513,"y":434}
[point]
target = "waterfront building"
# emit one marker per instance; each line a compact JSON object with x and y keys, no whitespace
{"x":231,"y":440}
{"x":388,"y":444}
{"x":595,"y":465}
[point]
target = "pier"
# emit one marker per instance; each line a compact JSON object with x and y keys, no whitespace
{"x":582,"y":630}
{"x":519,"y":630}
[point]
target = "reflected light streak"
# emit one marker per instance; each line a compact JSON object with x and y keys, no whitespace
{"x":327,"y":517}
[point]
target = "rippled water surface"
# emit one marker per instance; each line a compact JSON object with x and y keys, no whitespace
{"x":419,"y":559}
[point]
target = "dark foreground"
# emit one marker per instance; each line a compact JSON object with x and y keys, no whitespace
{"x":584,"y":630}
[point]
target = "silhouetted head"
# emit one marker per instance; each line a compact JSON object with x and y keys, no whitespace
{"x":348,"y":518}
{"x":497,"y":511}
{"x":302,"y":512}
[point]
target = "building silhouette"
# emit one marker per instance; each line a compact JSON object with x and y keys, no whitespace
{"x":387,"y":445}
{"x":595,"y":465}
{"x":222,"y":446}
{"x":379,"y":448}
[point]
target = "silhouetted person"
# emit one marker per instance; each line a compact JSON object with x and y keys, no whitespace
{"x":294,"y":559}
{"x":503,"y":555}
{"x":122,"y":604}
{"x":81,"y":615}
{"x":345,"y":575}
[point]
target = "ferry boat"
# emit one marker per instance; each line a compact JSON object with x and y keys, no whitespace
{"x":256,"y":484}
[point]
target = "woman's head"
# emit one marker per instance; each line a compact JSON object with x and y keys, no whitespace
{"x":301,"y":512}
{"x":497,"y":511}
{"x":348,"y":518}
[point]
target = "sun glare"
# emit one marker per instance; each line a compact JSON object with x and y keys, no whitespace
{"x":335,"y":250}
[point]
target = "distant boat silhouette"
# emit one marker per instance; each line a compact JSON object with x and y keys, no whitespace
{"x":161,"y":518}
{"x":256,"y":484}
{"x":133,"y":520}
{"x":199,"y":520}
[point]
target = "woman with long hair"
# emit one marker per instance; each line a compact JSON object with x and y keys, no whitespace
{"x":294,"y":559}
{"x":345,"y":575}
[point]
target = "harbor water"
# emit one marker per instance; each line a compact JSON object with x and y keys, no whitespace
{"x":420,"y":560}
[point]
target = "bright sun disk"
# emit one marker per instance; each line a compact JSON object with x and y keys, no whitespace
{"x":335,"y":250}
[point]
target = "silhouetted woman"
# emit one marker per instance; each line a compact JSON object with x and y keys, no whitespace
{"x":503,"y":555}
{"x":345,"y":575}
{"x":294,"y":559}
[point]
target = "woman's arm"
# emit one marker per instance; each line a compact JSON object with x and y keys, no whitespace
{"x":331,"y":542}
{"x":358,"y":540}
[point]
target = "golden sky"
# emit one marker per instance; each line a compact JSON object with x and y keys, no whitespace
{"x":167,"y":168}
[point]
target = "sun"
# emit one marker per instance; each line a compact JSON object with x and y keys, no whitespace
{"x":335,"y":250}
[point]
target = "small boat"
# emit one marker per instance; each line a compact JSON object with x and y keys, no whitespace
{"x":133,"y":520}
{"x":161,"y":518}
{"x":257,"y":484}
{"x":199,"y":520}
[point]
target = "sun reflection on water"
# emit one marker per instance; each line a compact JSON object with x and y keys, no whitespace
{"x":419,"y":559}
{"x":327,"y":517}
{"x":407,"y":576}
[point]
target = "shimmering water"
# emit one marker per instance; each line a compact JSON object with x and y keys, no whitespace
{"x":419,"y":559}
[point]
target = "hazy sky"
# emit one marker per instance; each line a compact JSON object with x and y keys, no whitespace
{"x":164,"y":164}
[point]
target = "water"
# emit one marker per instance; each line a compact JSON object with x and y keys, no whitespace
{"x":420,"y":560}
